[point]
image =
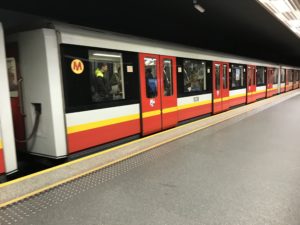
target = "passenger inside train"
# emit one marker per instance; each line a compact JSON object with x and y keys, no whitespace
{"x":194,"y":76}
{"x":107,"y":79}
{"x":151,"y":83}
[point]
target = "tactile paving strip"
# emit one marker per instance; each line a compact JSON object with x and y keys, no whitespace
{"x":19,"y":211}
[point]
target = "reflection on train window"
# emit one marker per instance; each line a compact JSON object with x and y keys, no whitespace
{"x":276,"y":74}
{"x":107,"y":79}
{"x":237,"y":78}
{"x":225,"y":76}
{"x":194,"y":73}
{"x":282,"y":76}
{"x":168,"y":78}
{"x":290,"y":73}
{"x":217,"y":77}
{"x":260,"y":75}
{"x":151,"y":77}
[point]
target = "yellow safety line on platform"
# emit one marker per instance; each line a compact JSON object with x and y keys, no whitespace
{"x":116,"y":161}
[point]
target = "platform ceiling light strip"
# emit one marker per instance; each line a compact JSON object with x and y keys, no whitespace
{"x":287,"y":11}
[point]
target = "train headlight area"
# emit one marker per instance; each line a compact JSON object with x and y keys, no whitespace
{"x":68,"y":91}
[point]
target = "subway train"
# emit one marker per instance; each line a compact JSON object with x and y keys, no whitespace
{"x":68,"y":90}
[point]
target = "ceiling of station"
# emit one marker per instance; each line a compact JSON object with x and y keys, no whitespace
{"x":242,"y":27}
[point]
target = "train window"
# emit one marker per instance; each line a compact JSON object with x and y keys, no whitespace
{"x":290,"y":73}
{"x":151,"y":77}
{"x":107,"y":80}
{"x":237,"y":76}
{"x":250,"y":72}
{"x":275,"y":78}
{"x":282,"y":76}
{"x":194,"y":73}
{"x":217,"y":77}
{"x":168,"y":78}
{"x":225,"y":76}
{"x":260,"y":76}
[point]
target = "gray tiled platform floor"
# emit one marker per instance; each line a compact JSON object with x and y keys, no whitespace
{"x":247,"y":172}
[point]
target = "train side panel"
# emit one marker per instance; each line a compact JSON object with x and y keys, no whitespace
{"x":40,"y":68}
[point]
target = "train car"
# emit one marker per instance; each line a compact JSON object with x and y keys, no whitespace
{"x":8,"y":162}
{"x":82,"y":89}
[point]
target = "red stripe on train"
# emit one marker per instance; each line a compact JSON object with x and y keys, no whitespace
{"x":260,"y":95}
{"x":237,"y":101}
{"x":86,"y":139}
{"x":2,"y":165}
{"x":184,"y":114}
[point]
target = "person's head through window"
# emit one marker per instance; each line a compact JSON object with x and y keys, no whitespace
{"x":101,"y":70}
{"x":149,"y":73}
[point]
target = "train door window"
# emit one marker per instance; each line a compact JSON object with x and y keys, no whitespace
{"x":260,"y":76}
{"x":282,"y":76}
{"x":237,"y":78}
{"x":254,"y":77}
{"x":107,"y":79}
{"x":249,"y":76}
{"x":217,"y":76}
{"x":225,"y":76}
{"x":194,"y":72}
{"x":12,"y":76}
{"x":275,"y":78}
{"x":290,"y":76}
{"x":151,"y":77}
{"x":168,"y":77}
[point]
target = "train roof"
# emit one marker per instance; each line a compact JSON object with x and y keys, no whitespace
{"x":85,"y":36}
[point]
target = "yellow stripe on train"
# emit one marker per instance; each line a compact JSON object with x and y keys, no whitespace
{"x":195,"y":104}
{"x":102,"y":123}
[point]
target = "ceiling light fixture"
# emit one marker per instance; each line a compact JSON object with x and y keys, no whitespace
{"x":106,"y":55}
{"x":198,"y":6}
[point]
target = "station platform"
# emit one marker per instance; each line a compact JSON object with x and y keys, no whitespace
{"x":238,"y":167}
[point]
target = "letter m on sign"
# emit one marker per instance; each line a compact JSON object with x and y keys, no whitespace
{"x":77,"y":66}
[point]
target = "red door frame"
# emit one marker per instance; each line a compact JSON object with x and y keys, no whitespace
{"x":270,"y":79}
{"x":221,"y":96}
{"x":18,"y":117}
{"x":284,"y":88}
{"x":169,"y":103}
{"x":159,"y":112}
{"x":251,"y":84}
{"x":287,"y":84}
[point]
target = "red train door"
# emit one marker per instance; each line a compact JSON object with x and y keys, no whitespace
{"x":287,"y":75}
{"x":251,"y":84}
{"x":16,"y":96}
{"x":220,"y":87}
{"x":158,"y":92}
{"x":270,"y":79}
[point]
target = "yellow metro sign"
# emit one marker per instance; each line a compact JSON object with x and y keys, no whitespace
{"x":77,"y":66}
